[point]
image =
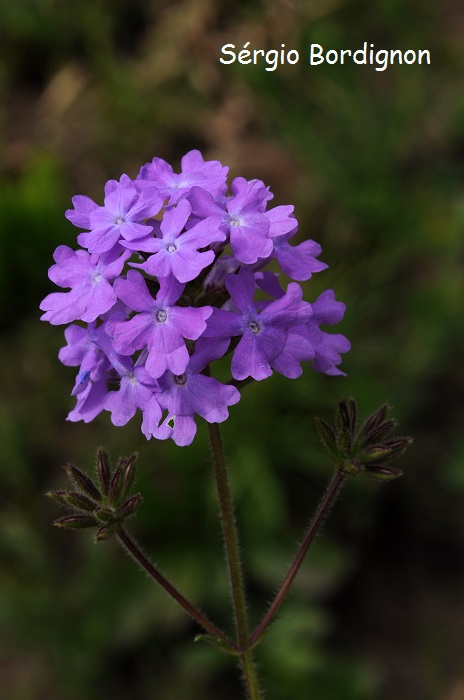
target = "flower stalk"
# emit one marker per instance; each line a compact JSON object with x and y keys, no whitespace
{"x":366,"y":451}
{"x":232,"y":548}
{"x":106,"y":503}
{"x":320,"y":515}
{"x":132,"y":548}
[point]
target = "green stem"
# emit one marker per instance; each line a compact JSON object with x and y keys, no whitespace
{"x":320,"y":515}
{"x":232,"y":548}
{"x":134,"y":550}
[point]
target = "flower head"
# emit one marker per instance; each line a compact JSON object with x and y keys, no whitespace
{"x":167,"y":281}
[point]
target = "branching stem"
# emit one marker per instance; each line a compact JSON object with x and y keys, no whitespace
{"x":320,"y":515}
{"x":134,"y":550}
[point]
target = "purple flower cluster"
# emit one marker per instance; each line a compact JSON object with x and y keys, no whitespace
{"x":165,"y":282}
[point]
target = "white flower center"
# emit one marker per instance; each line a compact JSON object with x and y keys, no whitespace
{"x":254,"y":327}
{"x":161,"y":316}
{"x":132,"y":378}
{"x":171,"y":248}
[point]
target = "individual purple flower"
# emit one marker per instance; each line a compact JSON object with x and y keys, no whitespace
{"x":306,"y":342}
{"x":210,"y":175}
{"x":242,"y":218}
{"x":327,"y":346}
{"x":101,"y":364}
{"x":136,"y":391}
{"x":178,"y":253}
{"x":124,"y":210}
{"x":82,"y":350}
{"x":78,"y":346}
{"x":188,"y":394}
{"x":298,"y":262}
{"x":281,"y":220}
{"x":263,"y":334}
{"x":90,"y":279}
{"x":91,"y":348}
{"x":91,"y":386}
{"x":158,"y":325}
{"x":80,"y":215}
{"x":84,"y":206}
{"x":262,"y":192}
{"x":297,"y":349}
{"x":90,"y":401}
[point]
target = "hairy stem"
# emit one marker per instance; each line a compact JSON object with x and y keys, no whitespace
{"x":134,"y":550}
{"x":232,"y":548}
{"x":320,"y":515}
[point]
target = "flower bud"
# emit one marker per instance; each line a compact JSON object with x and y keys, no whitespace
{"x":365,"y":451}
{"x":75,"y":522}
{"x":128,"y":473}
{"x":103,"y":470}
{"x":375,"y":453}
{"x":374,"y":420}
{"x":104,"y":506}
{"x":327,"y":435}
{"x":116,"y":486}
{"x":129,"y":508}
{"x":383,"y":473}
{"x":104,"y":533}
{"x":83,"y":482}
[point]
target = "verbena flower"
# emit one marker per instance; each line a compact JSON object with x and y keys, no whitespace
{"x":136,"y":388}
{"x":147,"y":337}
{"x":121,"y":216}
{"x":176,"y":253}
{"x":210,"y":175}
{"x":159,"y":325}
{"x":241,"y":218}
{"x":264,"y":333}
{"x":90,"y":278}
{"x":192,"y":393}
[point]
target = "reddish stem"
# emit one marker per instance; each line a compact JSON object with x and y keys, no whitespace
{"x":320,"y":515}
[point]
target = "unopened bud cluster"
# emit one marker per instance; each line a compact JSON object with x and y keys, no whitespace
{"x":103,"y":503}
{"x":368,"y":450}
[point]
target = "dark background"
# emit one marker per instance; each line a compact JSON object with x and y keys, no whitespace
{"x":374,"y":164}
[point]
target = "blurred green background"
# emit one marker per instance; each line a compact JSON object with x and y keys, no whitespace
{"x":374,"y":163}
